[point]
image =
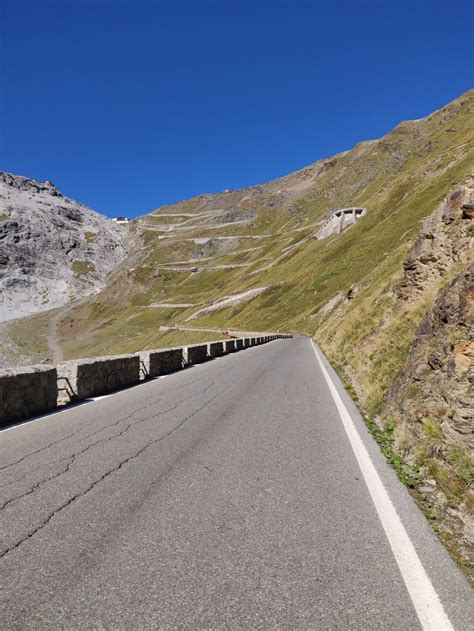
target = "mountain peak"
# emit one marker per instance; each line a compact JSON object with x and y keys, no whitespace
{"x":53,"y":249}
{"x":23,"y":183}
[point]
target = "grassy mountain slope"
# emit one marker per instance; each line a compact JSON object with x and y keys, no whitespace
{"x":364,"y":295}
{"x":261,"y":237}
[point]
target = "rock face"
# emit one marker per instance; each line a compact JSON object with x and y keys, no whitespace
{"x":439,"y":372}
{"x":52,"y":249}
{"x":445,"y":238}
{"x":432,"y":402}
{"x":440,"y":366}
{"x":432,"y":399}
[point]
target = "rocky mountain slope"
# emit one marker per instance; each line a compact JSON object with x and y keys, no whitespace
{"x":406,"y":350}
{"x":53,"y":250}
{"x":388,"y":297}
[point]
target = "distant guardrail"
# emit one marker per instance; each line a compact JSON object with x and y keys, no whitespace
{"x":33,"y":390}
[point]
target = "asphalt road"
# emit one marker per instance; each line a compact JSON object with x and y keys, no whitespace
{"x":225,"y":496}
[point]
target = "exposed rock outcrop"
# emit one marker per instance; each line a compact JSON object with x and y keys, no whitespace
{"x":52,"y":249}
{"x":432,"y":402}
{"x":432,"y":399}
{"x":444,"y":239}
{"x":441,"y":365}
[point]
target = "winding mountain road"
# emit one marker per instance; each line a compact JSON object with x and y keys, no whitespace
{"x":244,"y":493}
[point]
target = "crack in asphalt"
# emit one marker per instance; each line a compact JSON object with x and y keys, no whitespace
{"x":37,"y":451}
{"x":134,"y":456}
{"x":37,"y":484}
{"x":74,"y":456}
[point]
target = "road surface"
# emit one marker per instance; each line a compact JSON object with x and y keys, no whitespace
{"x":230,"y":495}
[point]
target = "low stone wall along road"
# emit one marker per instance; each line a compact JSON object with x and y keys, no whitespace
{"x":232,"y":494}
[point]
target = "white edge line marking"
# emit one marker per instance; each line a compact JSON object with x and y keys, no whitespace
{"x":3,"y":430}
{"x":427,"y":604}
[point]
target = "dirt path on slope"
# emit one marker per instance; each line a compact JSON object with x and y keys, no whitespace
{"x":53,"y":338}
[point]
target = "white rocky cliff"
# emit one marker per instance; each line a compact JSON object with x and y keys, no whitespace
{"x":52,"y":249}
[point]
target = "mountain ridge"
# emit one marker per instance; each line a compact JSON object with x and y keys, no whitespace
{"x":53,"y":249}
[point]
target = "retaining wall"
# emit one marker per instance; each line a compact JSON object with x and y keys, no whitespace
{"x":27,"y":391}
{"x":84,"y":378}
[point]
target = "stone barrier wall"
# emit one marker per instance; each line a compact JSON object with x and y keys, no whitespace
{"x":230,"y":346}
{"x":32,"y":390}
{"x":83,"y":378}
{"x":197,"y":354}
{"x":27,"y":391}
{"x":216,"y":349}
{"x":160,"y":362}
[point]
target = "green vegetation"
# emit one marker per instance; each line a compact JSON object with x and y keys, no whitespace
{"x":463,"y":463}
{"x":385,"y":437}
{"x":82,"y":267}
{"x":29,"y":336}
{"x":90,"y":237}
{"x":432,"y":430}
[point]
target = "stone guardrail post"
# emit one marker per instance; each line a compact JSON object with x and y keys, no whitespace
{"x":197,"y":353}
{"x":27,"y":391}
{"x":161,"y":361}
{"x":85,"y":378}
{"x":216,"y":349}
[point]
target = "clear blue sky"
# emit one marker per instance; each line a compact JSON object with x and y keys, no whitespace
{"x":129,"y":105}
